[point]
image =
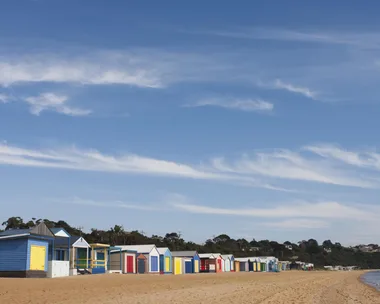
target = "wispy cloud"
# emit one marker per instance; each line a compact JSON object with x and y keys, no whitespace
{"x":295,"y":223}
{"x":55,"y":103}
{"x":5,"y":98}
{"x":358,"y":39}
{"x":247,"y":105}
{"x":327,"y":210}
{"x":265,"y":170}
{"x":292,"y":88}
{"x":295,"y":89}
{"x":93,"y":69}
{"x":93,"y":160}
{"x":286,"y":164}
{"x":105,"y":204}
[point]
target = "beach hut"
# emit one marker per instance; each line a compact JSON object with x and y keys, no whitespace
{"x":59,"y":265}
{"x":190,"y":260}
{"x":243,"y":264}
{"x":232,"y":261}
{"x":166,"y":260}
{"x":227,"y":262}
{"x":122,"y":260}
{"x":219,"y":262}
{"x":177,"y":265}
{"x":207,"y":262}
{"x":99,"y":258}
{"x":150,"y":252}
{"x":26,"y":252}
{"x":79,"y":256}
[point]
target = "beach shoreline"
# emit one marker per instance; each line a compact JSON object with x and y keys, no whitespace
{"x":285,"y":287}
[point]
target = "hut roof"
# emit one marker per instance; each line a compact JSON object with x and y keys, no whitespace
{"x":41,"y":230}
{"x":207,"y":256}
{"x":138,"y":248}
{"x":184,"y":253}
{"x":162,"y":250}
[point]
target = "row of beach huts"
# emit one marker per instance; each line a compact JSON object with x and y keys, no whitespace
{"x":44,"y":252}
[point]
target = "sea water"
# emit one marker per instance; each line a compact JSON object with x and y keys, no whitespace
{"x":372,"y":279}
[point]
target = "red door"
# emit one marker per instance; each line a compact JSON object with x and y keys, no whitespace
{"x":129,"y":264}
{"x":203,"y":265}
{"x":219,"y":264}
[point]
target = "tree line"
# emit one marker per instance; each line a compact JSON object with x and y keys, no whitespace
{"x":310,"y":251}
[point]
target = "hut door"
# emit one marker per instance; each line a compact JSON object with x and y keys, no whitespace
{"x":37,"y":257}
{"x":141,"y":266}
{"x":167,"y":264}
{"x":129,"y":264}
{"x":154,"y":263}
{"x":188,"y":267}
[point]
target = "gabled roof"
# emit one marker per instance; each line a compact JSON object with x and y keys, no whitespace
{"x":242,"y":259}
{"x":227,"y":256}
{"x":162,"y":250}
{"x":41,"y":230}
{"x":184,"y":253}
{"x":207,"y":256}
{"x":61,"y":232}
{"x":138,"y":248}
{"x":79,"y":242}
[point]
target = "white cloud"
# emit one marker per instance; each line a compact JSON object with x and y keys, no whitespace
{"x":293,"y":224}
{"x":264,"y":170}
{"x":247,"y":105}
{"x":324,"y":209}
{"x":55,"y":103}
{"x":106,"y":204}
{"x":367,"y":159}
{"x":92,"y":69}
{"x":92,"y":160}
{"x":295,"y":89}
{"x":358,"y":39}
{"x":285,"y":164}
{"x":4,"y":98}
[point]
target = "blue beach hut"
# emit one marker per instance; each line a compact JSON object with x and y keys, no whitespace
{"x":166,"y":260}
{"x":26,"y":252}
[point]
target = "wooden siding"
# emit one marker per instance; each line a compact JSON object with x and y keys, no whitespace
{"x":41,"y":229}
{"x":13,"y":255}
{"x":37,"y":243}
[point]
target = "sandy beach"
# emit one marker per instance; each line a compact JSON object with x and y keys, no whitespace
{"x":286,"y":287}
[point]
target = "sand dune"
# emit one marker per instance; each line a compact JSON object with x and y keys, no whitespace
{"x":286,"y":287}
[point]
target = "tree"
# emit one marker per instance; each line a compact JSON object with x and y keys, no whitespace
{"x":15,"y":222}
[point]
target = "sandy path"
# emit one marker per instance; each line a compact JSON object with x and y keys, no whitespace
{"x":277,"y":288}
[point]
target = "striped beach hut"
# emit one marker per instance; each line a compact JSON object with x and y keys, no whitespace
{"x":26,"y":252}
{"x":207,"y":262}
{"x":219,"y":262}
{"x":99,"y":258}
{"x":79,"y":256}
{"x":166,"y":260}
{"x":150,"y":252}
{"x":123,"y":260}
{"x":190,"y":260}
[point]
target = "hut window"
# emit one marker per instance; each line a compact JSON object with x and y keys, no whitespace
{"x":60,"y":255}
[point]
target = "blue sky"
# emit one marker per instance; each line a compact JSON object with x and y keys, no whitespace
{"x":258,"y":120}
